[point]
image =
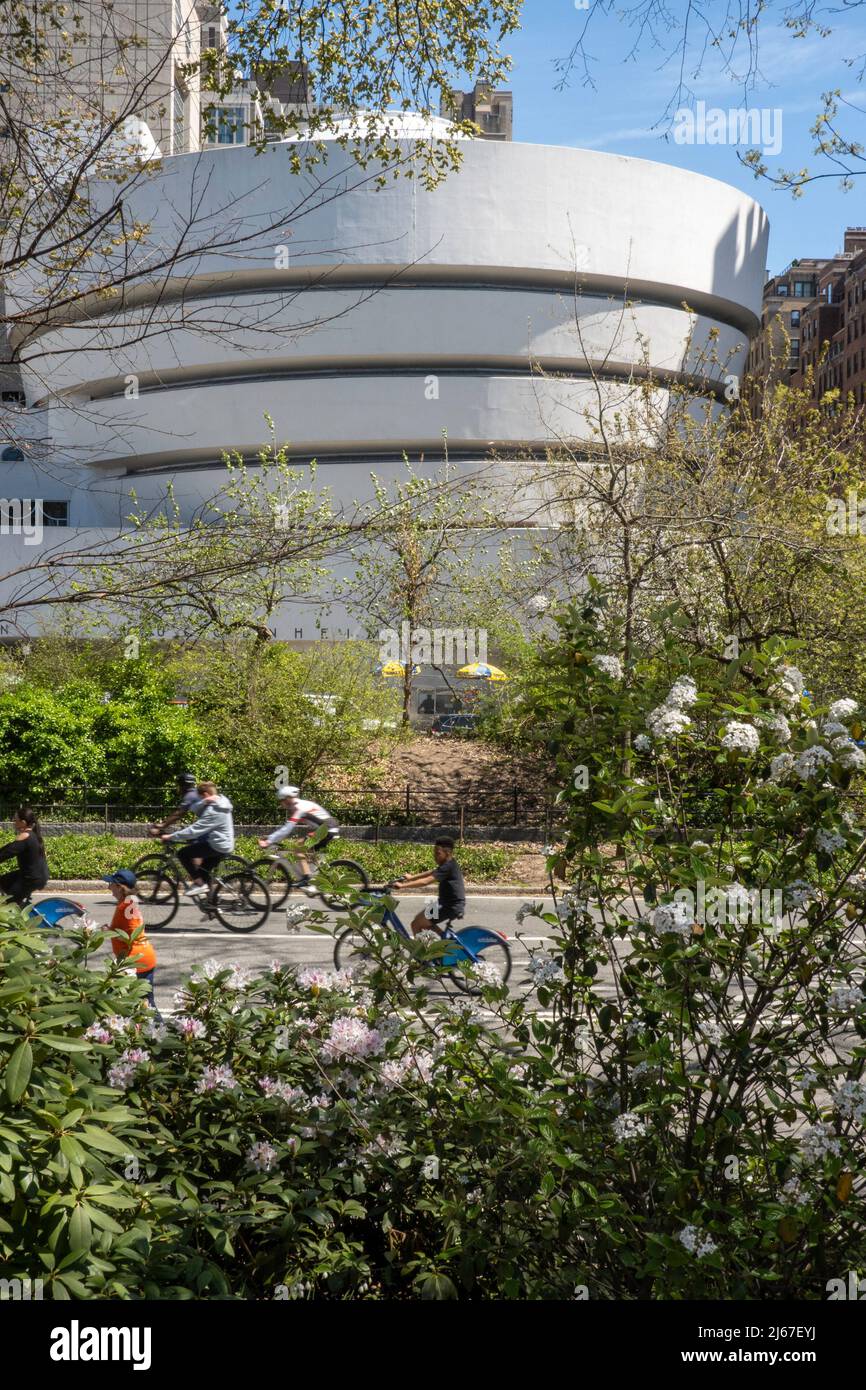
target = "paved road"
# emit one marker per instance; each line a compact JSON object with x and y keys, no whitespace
{"x":193,"y":938}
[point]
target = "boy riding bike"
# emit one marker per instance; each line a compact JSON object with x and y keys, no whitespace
{"x":451,"y":903}
{"x":304,"y":816}
{"x":211,"y":837}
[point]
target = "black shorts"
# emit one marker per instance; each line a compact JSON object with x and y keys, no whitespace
{"x":312,"y":830}
{"x":448,"y":914}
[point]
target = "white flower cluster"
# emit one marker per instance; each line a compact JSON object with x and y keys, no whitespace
{"x":571,"y":901}
{"x":628,"y":1126}
{"x":831,"y":728}
{"x":642,"y":744}
{"x":740,"y":738}
{"x":486,"y":973}
{"x":812,"y":762}
{"x":818,"y":1143}
{"x":696,"y":1242}
{"x":672,"y":917}
{"x":797,"y":894}
{"x":829,"y":841}
{"x":609,"y":666}
{"x":669,"y":719}
{"x":544,"y":970}
{"x":848,"y":755}
{"x":845,"y":1000}
{"x":790,"y":685}
{"x":297,"y":915}
{"x":781,"y":767}
{"x":777,"y":725}
{"x":527,"y":910}
{"x":793,"y":1193}
{"x":850,"y":1101}
{"x":842,"y":709}
{"x":711,"y":1032}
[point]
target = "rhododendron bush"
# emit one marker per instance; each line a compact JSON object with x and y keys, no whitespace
{"x":668,"y":1102}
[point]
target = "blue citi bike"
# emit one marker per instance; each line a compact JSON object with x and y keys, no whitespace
{"x":464,"y":946}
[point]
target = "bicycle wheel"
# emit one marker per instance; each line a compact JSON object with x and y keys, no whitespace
{"x":351,"y":876}
{"x":157,"y":894}
{"x":352,"y":952}
{"x":277,"y":876}
{"x":494,"y":954}
{"x":241,"y":901}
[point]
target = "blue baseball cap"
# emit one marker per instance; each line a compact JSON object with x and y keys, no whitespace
{"x":124,"y":876}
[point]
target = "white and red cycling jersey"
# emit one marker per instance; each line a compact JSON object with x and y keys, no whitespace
{"x":307,"y":815}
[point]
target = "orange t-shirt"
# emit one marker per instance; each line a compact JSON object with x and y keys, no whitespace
{"x":126,"y":920}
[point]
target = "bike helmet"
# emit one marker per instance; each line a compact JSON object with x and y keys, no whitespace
{"x":286,"y":793}
{"x":186,"y":780}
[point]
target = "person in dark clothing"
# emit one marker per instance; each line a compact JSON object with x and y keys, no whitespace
{"x":28,"y":848}
{"x":451,"y":903}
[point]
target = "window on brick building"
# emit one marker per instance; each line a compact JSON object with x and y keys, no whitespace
{"x":795,"y":318}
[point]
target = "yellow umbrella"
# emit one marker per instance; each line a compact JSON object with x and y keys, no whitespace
{"x":395,"y":668}
{"x":479,"y":671}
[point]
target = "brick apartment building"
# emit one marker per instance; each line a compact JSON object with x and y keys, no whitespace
{"x":818,"y":304}
{"x":492,"y":112}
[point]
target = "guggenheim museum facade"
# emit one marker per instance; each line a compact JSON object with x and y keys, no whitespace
{"x":366,"y":322}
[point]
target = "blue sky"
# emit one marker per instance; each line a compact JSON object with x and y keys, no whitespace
{"x":631,"y":97}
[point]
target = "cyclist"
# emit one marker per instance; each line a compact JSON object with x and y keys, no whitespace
{"x":28,"y":849}
{"x":211,"y":837}
{"x":303,"y":816}
{"x":189,"y":798}
{"x":451,"y":903}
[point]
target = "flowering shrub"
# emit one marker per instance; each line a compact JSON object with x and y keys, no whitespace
{"x":669,"y":1104}
{"x":709,"y":997}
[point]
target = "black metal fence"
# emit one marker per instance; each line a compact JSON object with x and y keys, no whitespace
{"x":513,"y":806}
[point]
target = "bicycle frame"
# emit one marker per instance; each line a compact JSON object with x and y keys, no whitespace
{"x":462,"y":939}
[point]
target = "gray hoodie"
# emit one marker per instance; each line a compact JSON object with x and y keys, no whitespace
{"x":214,"y":823}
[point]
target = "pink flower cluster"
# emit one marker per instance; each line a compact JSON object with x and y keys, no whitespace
{"x":123,"y":1071}
{"x":262,"y":1156}
{"x":350,"y":1037}
{"x":281,"y":1090}
{"x":220,"y":1078}
{"x":313,"y":978}
{"x":96,"y":1033}
{"x":190,"y":1027}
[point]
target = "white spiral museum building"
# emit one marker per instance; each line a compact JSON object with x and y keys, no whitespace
{"x":371,"y":322}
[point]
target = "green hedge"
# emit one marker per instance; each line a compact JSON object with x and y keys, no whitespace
{"x":91,"y":856}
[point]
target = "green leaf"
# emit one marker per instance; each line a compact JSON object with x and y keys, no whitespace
{"x":437,"y":1286}
{"x":64,"y":1044}
{"x":18,"y":1070}
{"x":80,"y":1229}
{"x":105,"y":1142}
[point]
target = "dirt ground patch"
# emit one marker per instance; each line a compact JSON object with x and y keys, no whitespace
{"x":463,"y":765}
